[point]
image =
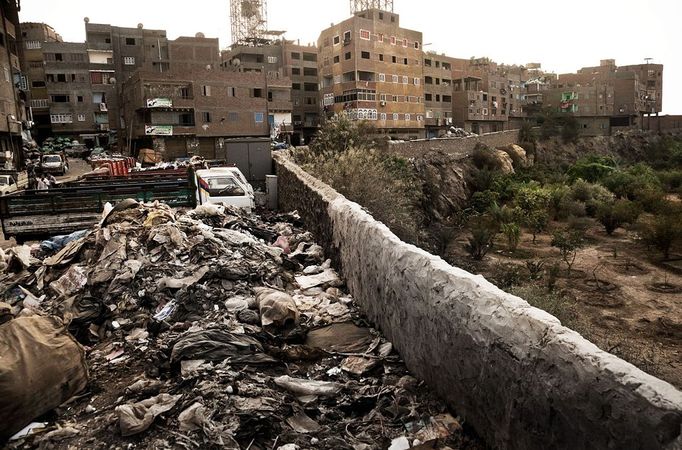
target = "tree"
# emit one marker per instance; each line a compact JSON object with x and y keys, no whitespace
{"x":613,"y":215}
{"x":569,"y":129}
{"x":537,"y":222}
{"x":481,"y":240}
{"x":339,"y":134}
{"x":662,"y":231}
{"x":568,"y":243}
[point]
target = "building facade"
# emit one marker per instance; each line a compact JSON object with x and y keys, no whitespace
{"x":181,"y":113}
{"x":371,"y":68}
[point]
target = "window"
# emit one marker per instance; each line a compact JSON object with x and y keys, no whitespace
{"x":296,"y":86}
{"x":404,"y":42}
{"x":309,"y":72}
{"x":380,"y":37}
{"x":258,"y":117}
{"x":381,"y":57}
{"x":405,"y":61}
{"x":393,"y":40}
{"x":79,"y":99}
{"x":405,"y":80}
{"x":416,"y":46}
{"x":58,"y":57}
{"x":272,"y":60}
{"x":348,"y":56}
{"x":257,"y":93}
{"x":310,"y":87}
{"x":383,"y":116}
{"x":408,"y":117}
{"x":232,"y":116}
{"x":81,"y":117}
{"x":447,"y":99}
{"x":364,"y":34}
{"x":77,"y":57}
{"x":394,"y":78}
{"x":346,"y":37}
{"x":382,"y":77}
{"x":61,"y":78}
{"x":295,"y":55}
{"x":336,"y":40}
{"x":33,"y":45}
{"x":428,"y":97}
{"x":60,"y":98}
{"x":130,"y":41}
{"x":364,"y":55}
{"x":417,"y":81}
{"x":61,"y":118}
{"x":310,"y":57}
{"x":336,"y":59}
{"x":37,"y":84}
{"x":40,"y":103}
{"x":129,"y":60}
{"x":420,"y":118}
{"x":295,"y":71}
{"x":206,"y":91}
{"x":396,"y":116}
{"x":206,"y":117}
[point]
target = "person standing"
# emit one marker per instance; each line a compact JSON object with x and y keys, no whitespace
{"x":42,"y":184}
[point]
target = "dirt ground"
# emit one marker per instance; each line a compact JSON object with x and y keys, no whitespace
{"x":621,"y":296}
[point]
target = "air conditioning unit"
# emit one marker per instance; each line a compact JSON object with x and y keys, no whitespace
{"x":103,"y":107}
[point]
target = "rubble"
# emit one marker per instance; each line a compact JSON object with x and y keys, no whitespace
{"x":204,"y":329}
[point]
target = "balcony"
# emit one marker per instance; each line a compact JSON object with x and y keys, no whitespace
{"x":280,"y":105}
{"x":101,"y":46}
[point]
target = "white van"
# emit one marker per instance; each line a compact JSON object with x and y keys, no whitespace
{"x":224,"y":185}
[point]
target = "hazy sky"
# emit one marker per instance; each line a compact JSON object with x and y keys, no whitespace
{"x":562,"y":39}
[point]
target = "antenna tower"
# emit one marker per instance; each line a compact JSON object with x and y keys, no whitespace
{"x":357,"y":6}
{"x":249,"y":20}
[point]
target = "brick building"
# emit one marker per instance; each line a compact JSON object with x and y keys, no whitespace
{"x":13,"y":86}
{"x":193,"y":112}
{"x":371,"y":68}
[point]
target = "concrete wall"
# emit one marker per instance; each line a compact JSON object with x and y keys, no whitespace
{"x":453,"y":146}
{"x":512,"y":371}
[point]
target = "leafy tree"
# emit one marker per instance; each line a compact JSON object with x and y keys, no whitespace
{"x":537,"y":222}
{"x":592,"y":169}
{"x":568,"y":243}
{"x":339,"y":134}
{"x":613,"y":215}
{"x":527,"y":133}
{"x":662,"y":231}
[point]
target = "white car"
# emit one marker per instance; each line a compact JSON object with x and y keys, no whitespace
{"x":7,"y":184}
{"x":224,"y":185}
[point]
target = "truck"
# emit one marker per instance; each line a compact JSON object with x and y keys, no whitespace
{"x":30,"y":214}
{"x":12,"y":181}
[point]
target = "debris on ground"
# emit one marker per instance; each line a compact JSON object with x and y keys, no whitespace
{"x":209,"y":328}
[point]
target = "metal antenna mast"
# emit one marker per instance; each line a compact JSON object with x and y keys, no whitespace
{"x":363,"y":5}
{"x":249,"y":20}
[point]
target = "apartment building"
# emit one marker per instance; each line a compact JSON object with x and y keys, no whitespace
{"x":35,"y":35}
{"x":181,"y":113}
{"x":607,"y":97}
{"x":371,"y":68}
{"x":13,"y":87}
{"x":300,"y":64}
{"x":439,"y":71}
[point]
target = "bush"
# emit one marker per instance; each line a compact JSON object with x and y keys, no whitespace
{"x":671,"y":180}
{"x":590,"y":195}
{"x":662,"y":231}
{"x":613,"y":215}
{"x":557,"y":198}
{"x":537,"y":222}
{"x":481,"y":202}
{"x":527,"y":134}
{"x":340,"y":134}
{"x":513,"y":234}
{"x":481,"y":240}
{"x":570,"y":129}
{"x":568,"y":243}
{"x":506,"y":275}
{"x":592,"y":169}
{"x":555,"y":304}
{"x":632,"y":182}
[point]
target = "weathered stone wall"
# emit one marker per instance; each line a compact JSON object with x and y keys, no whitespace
{"x":453,"y":146}
{"x":511,"y":370}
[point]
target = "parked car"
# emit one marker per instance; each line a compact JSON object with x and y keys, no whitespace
{"x":7,"y":184}
{"x":54,"y":163}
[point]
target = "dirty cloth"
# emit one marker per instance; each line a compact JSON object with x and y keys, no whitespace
{"x":276,"y":308}
{"x":340,"y":337}
{"x":41,"y":366}
{"x":136,"y":417}
{"x":219,"y":345}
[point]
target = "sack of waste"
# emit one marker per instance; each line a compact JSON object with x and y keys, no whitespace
{"x":41,"y":367}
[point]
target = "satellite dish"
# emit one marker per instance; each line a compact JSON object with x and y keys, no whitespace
{"x":140,"y":26}
{"x":86,"y":20}
{"x":112,"y":80}
{"x":208,"y":67}
{"x":205,"y":126}
{"x":200,"y":35}
{"x":236,"y":62}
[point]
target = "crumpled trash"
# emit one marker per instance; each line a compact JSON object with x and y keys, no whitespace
{"x":301,"y":423}
{"x":193,"y":418}
{"x":73,"y":280}
{"x":358,"y":365}
{"x":340,"y":337}
{"x":276,"y":308}
{"x":134,"y":418}
{"x":56,"y":243}
{"x":180,"y":283}
{"x":325,"y":279}
{"x":219,"y":345}
{"x":300,"y":386}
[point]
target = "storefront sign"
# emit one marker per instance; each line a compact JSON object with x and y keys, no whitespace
{"x":158,"y":130}
{"x":159,"y":103}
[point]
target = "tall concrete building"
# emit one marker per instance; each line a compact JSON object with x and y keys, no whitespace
{"x":371,"y":68}
{"x":13,"y":86}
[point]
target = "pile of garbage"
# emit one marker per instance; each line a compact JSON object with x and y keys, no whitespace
{"x":454,"y":132}
{"x":208,"y":328}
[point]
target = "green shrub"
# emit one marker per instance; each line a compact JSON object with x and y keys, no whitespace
{"x":481,"y":240}
{"x":483,"y":201}
{"x":506,"y":275}
{"x":632,"y":182}
{"x":662,"y":231}
{"x":613,"y":215}
{"x":340,"y":134}
{"x":568,"y":243}
{"x":592,"y":169}
{"x":537,"y":222}
{"x":512,"y":232}
{"x":671,"y":179}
